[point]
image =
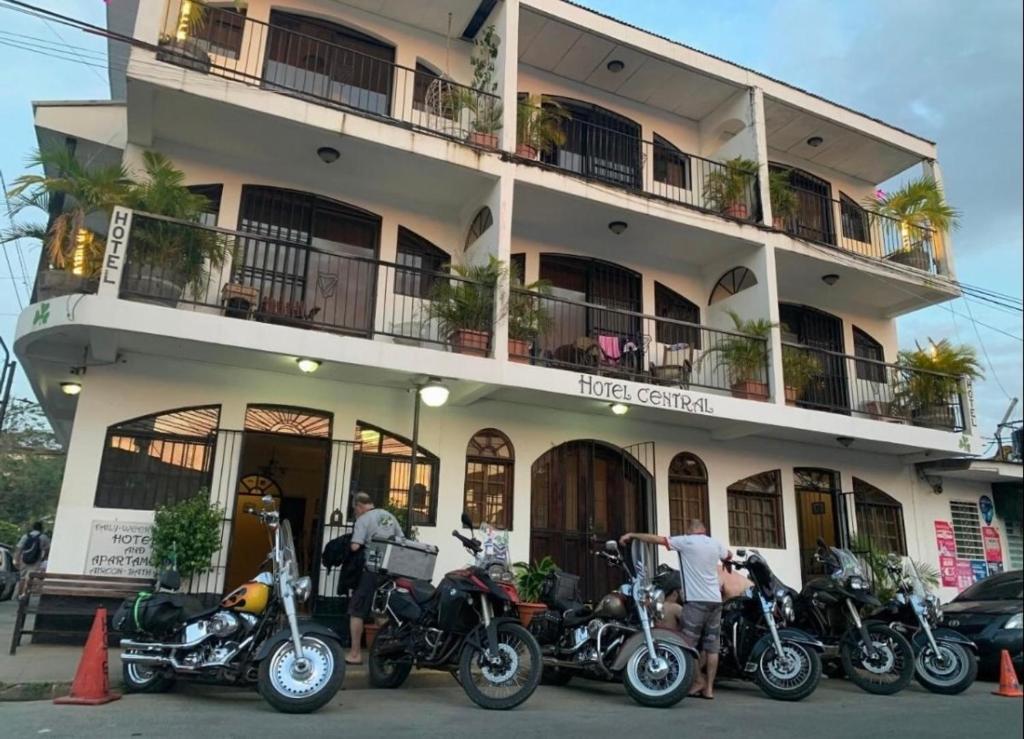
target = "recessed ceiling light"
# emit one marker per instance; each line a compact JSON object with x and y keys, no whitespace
{"x":830,"y":279}
{"x":434,"y":393}
{"x":328,"y":154}
{"x":617,"y":227}
{"x":307,"y":366}
{"x":815,"y":141}
{"x":71,"y":388}
{"x":619,"y":409}
{"x":615,"y":66}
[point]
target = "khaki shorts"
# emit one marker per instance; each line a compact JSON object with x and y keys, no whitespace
{"x":702,"y":625}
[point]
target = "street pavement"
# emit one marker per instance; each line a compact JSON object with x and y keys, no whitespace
{"x":434,"y":706}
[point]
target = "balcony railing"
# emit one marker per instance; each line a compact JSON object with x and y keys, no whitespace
{"x":622,"y":159}
{"x":223,"y":42}
{"x":872,"y":389}
{"x":861,"y":231}
{"x":615,"y":342}
{"x":274,"y":280}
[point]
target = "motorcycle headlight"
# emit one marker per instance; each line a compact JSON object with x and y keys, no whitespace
{"x":788,"y":611}
{"x":1016,"y":621}
{"x":302,"y":588}
{"x":499,"y":573}
{"x":856,"y":583}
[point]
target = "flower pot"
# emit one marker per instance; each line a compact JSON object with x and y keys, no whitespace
{"x":526,"y":151}
{"x":185,"y":54}
{"x":737,"y":210}
{"x":467,"y":341}
{"x":779,"y":223}
{"x":370,"y":633}
{"x":792,"y":393}
{"x":53,"y":283}
{"x":915,"y":257}
{"x":164,"y":287}
{"x":528,"y":610}
{"x":933,"y":416}
{"x":750,"y":390}
{"x":483,"y":140}
{"x":519,"y":351}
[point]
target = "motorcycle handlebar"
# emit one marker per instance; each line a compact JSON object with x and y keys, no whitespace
{"x":468,"y":543}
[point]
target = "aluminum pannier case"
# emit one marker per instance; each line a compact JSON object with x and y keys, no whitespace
{"x":401,"y":557}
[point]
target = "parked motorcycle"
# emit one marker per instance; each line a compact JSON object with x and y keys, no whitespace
{"x":946,"y":661}
{"x":468,"y":625}
{"x":615,"y":639}
{"x":253,"y":637}
{"x":874,"y":656}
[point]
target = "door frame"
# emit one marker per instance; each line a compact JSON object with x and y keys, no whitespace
{"x":839,"y":524}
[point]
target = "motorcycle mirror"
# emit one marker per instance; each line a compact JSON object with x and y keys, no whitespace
{"x":467,"y":522}
{"x":611,"y":546}
{"x":267,"y":499}
{"x":741,"y":552}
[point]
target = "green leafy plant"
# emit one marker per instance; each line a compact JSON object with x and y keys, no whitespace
{"x":919,"y":205}
{"x":783,"y":197}
{"x":467,"y":303}
{"x":188,"y":531}
{"x":9,"y":533}
{"x":934,"y":375}
{"x":728,"y":187}
{"x":528,"y":317}
{"x":883,"y":581}
{"x":799,"y":367}
{"x":530,"y":578}
{"x":539,"y":123}
{"x":481,"y":97}
{"x":743,"y":354}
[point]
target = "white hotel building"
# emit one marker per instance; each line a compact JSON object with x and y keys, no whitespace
{"x":339,"y":261}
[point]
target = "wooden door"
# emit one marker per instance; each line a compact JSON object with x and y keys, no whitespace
{"x":816,"y":492}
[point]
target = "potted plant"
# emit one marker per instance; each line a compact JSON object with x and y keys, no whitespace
{"x":919,"y":207}
{"x":464,"y":307}
{"x":530,"y":582}
{"x":183,"y":48}
{"x":727,"y":188}
{"x":480,"y":98}
{"x":783,"y":198}
{"x":187,"y":533}
{"x":744,"y":356}
{"x":799,"y":368}
{"x":74,"y":251}
{"x":932,"y":380}
{"x":528,"y":317}
{"x":539,"y":126}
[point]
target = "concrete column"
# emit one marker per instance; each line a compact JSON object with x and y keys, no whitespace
{"x":761,"y":149}
{"x":505,"y":192}
{"x":776,"y":379}
{"x":943,"y":241}
{"x":506,"y":23}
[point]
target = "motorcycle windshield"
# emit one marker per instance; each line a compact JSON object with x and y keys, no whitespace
{"x":914,"y":577}
{"x":848,"y":565}
{"x":289,"y":562}
{"x":640,"y":556}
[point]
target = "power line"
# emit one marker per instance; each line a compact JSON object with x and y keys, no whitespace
{"x":984,"y":350}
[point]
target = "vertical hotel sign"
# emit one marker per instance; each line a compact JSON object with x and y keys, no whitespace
{"x":117,"y":246}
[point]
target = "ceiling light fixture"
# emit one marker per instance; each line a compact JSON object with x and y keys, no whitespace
{"x":619,"y":409}
{"x":846,"y":441}
{"x":434,"y":393}
{"x":830,"y":279}
{"x":618,"y":227}
{"x":71,"y":388}
{"x":815,"y":141}
{"x":328,"y":154}
{"x":616,"y":65}
{"x":307,"y":366}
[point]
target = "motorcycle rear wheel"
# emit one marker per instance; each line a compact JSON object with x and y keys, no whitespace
{"x":506,"y":685}
{"x":291,"y":692}
{"x":657,"y":691}
{"x":791,"y":679}
{"x":387,"y":673}
{"x":952,"y":673}
{"x":144,"y":679}
{"x":890,"y":672}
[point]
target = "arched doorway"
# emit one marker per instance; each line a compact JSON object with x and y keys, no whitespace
{"x":820,"y":514}
{"x":583,"y":493}
{"x":820,"y":334}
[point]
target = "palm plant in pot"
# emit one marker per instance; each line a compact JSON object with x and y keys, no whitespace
{"x":464,"y":306}
{"x":728,"y":188}
{"x":743,"y":355}
{"x":528,"y":317}
{"x":799,"y":368}
{"x":783,"y":198}
{"x":931,"y":382}
{"x":539,"y":126}
{"x":919,"y":208}
{"x":73,"y":248}
{"x":530,"y":584}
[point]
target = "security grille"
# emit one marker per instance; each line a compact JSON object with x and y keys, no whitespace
{"x":967,"y":529}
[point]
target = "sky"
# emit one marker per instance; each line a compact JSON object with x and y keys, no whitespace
{"x":948,"y":70}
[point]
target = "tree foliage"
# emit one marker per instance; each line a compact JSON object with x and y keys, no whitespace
{"x":187,"y":532}
{"x":31,"y":466}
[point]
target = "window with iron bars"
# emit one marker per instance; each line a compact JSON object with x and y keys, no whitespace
{"x":967,"y":529}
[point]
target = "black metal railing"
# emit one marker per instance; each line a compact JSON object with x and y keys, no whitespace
{"x":223,"y":42}
{"x":839,"y":383}
{"x":852,"y":228}
{"x":623,"y":159}
{"x":616,"y":342}
{"x":265,"y":278}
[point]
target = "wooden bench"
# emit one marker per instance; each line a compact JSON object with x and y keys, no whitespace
{"x":56,"y":585}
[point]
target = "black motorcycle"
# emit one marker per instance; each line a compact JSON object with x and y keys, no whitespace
{"x":946,"y":661}
{"x":874,"y":656}
{"x":617,"y":638}
{"x":468,"y":625}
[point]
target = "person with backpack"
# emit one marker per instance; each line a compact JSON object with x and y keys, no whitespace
{"x":30,"y":555}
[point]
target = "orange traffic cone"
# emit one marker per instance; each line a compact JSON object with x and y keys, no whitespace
{"x":1008,"y":685}
{"x":91,"y":686}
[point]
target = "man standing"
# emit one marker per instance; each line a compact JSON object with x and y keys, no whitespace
{"x":30,"y":555}
{"x":701,"y":617}
{"x":370,"y":522}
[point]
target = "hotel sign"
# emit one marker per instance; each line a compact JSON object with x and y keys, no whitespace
{"x":617,"y":391}
{"x":120,"y":549}
{"x":117,"y":244}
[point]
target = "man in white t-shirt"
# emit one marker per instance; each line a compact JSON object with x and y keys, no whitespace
{"x":701,"y":617}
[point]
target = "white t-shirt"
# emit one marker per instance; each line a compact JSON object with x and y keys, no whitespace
{"x":699,"y":556}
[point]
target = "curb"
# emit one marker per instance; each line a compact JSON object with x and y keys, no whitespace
{"x":33,"y":691}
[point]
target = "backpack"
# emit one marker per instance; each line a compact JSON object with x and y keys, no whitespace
{"x":33,"y":548}
{"x":336,"y":551}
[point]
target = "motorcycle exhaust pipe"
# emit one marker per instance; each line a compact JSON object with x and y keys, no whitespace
{"x":146,"y":659}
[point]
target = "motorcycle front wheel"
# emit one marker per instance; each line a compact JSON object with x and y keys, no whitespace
{"x":659,"y":688}
{"x":387,"y":672}
{"x":889,"y":671}
{"x":791,"y":676}
{"x":291,"y":687}
{"x":949,"y":672}
{"x":511,"y":679}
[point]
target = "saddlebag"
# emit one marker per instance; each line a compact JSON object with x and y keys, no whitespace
{"x":560,"y":591}
{"x":546,"y":627}
{"x":149,"y":614}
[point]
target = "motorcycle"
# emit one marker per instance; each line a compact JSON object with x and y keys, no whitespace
{"x":468,"y":625}
{"x":253,"y":636}
{"x":875,"y":657}
{"x":617,"y":638}
{"x":946,"y":662}
{"x":785,"y":663}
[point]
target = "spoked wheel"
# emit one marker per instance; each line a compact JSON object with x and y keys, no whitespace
{"x":140,"y":678}
{"x":888,"y":671}
{"x":388,"y":671}
{"x":952,"y":670}
{"x":660,"y":682}
{"x":790,"y":676}
{"x":511,"y":678}
{"x":294,"y":684}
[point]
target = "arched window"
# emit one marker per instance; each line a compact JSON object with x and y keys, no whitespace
{"x":671,"y":166}
{"x":382,"y":463}
{"x":417,"y":259}
{"x":158,"y":459}
{"x":670,"y":304}
{"x":866,"y":347}
{"x":813,"y":217}
{"x":282,"y":419}
{"x":879,"y":518}
{"x":687,"y":492}
{"x":490,"y":464}
{"x":482,"y":221}
{"x":732,"y":282}
{"x":854,"y":219}
{"x":755,"y":511}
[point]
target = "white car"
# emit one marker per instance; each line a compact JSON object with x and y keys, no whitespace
{"x":8,"y":575}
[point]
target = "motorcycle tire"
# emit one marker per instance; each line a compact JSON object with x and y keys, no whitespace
{"x":555,"y":676}
{"x":789,"y":682}
{"x":144,"y":679}
{"x":894,"y":652}
{"x":386,"y":673}
{"x":484,"y":683}
{"x":289,"y":693}
{"x":950,"y":678}
{"x":654,"y":692}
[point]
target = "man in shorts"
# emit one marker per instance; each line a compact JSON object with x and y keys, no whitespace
{"x":701,"y":615}
{"x":370,"y":522}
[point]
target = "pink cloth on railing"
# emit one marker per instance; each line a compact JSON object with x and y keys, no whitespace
{"x":610,"y":346}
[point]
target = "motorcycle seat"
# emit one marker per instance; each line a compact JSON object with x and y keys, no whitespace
{"x":577,"y":616}
{"x":421,"y":590}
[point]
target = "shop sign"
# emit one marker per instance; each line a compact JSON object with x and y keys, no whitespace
{"x":964,"y":574}
{"x":980,"y":569}
{"x":944,"y":538}
{"x":617,"y":391}
{"x":947,"y":570}
{"x":120,"y":549}
{"x":993,"y":547}
{"x":987,"y":508}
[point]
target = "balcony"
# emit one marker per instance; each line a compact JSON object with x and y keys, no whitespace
{"x":870,"y":389}
{"x":294,"y":55}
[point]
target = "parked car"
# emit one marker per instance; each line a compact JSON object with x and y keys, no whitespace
{"x":991,"y":613}
{"x":8,"y":574}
